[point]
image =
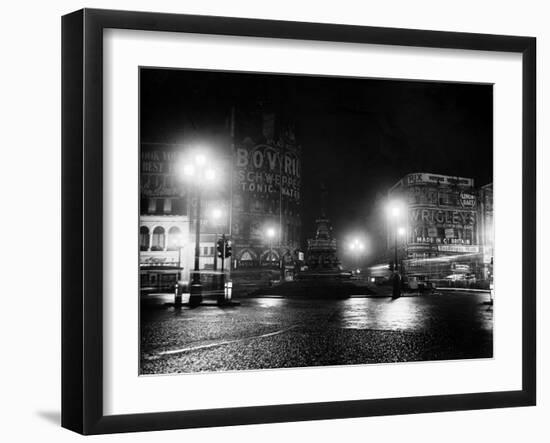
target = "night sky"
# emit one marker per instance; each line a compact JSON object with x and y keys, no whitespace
{"x":358,"y":136}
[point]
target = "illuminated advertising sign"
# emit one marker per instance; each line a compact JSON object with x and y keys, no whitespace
{"x":467,"y":200}
{"x":157,"y":171}
{"x":424,"y":177}
{"x":268,"y":170}
{"x":458,"y":248}
{"x":442,"y":217}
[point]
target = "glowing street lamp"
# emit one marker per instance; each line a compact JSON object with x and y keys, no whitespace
{"x":356,"y":246}
{"x":197,"y":171}
{"x":200,"y":159}
{"x":217,"y":214}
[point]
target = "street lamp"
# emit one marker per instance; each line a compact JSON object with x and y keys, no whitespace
{"x":394,"y":212}
{"x":197,"y":172}
{"x":356,"y":247}
{"x":177,"y":242}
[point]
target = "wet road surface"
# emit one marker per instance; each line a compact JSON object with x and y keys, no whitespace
{"x":296,"y":332}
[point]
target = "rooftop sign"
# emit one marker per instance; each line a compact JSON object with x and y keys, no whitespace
{"x":425,"y":177}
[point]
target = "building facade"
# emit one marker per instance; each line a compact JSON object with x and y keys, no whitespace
{"x":257,"y":202}
{"x":164,"y":250}
{"x":444,"y":230}
{"x":266,"y":198}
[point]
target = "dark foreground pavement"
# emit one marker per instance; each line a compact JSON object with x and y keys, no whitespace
{"x":295,"y":332}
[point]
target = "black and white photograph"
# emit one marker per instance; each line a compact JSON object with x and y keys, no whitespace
{"x":291,"y":221}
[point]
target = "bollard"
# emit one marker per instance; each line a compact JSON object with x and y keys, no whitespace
{"x":396,"y":293}
{"x":177,"y":297}
{"x":228,"y":291}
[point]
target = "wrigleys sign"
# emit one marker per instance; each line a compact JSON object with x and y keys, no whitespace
{"x":442,"y":217}
{"x":266,"y":169}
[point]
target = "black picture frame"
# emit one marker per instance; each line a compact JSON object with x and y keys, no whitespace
{"x":82,"y":215}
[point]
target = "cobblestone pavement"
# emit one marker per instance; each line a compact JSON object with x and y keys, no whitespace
{"x":295,"y":332}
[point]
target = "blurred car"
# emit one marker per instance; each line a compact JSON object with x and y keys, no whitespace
{"x":417,"y":283}
{"x":461,"y":277}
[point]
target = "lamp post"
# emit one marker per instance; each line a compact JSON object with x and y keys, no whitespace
{"x":270,"y":235}
{"x":356,"y":247}
{"x":196,"y":172}
{"x":395,"y":215}
{"x":216,"y":216}
{"x":178,"y":244}
{"x":399,"y":233}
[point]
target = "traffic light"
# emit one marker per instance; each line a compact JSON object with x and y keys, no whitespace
{"x":223,"y":246}
{"x":227,"y":248}
{"x":219,"y":247}
{"x":391,"y":266}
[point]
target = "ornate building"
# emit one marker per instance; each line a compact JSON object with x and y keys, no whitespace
{"x":443,"y":230}
{"x":166,"y":225}
{"x":266,"y":197}
{"x":259,"y":198}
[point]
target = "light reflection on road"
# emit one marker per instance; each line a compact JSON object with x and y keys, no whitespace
{"x":416,"y":313}
{"x":419,"y":313}
{"x":270,"y":302}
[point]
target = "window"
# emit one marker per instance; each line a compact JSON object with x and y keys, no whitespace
{"x":143,"y":238}
{"x":159,"y":206}
{"x":468,"y":236}
{"x":158,"y":239}
{"x":179,"y":206}
{"x":143,"y":205}
{"x":175,"y":239}
{"x":447,"y":199}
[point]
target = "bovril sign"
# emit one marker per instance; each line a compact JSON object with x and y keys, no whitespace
{"x":263,"y":170}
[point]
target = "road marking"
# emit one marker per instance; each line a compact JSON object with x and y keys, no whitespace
{"x":222,"y":343}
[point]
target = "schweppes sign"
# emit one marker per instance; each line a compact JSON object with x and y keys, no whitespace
{"x":264,"y":170}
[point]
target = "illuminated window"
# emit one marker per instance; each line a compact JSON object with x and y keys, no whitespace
{"x":158,"y":239}
{"x":174,"y":238}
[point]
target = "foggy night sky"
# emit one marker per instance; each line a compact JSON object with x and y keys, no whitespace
{"x":358,"y":136}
